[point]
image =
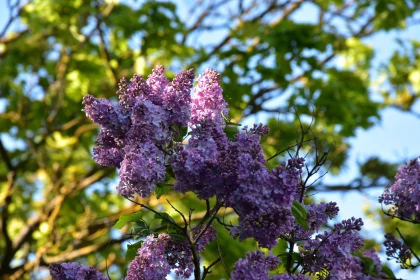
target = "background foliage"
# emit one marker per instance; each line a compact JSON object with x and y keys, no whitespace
{"x":56,"y":204}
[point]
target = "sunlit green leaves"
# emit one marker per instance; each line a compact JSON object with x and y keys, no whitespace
{"x":128,"y":218}
{"x":300,"y":215}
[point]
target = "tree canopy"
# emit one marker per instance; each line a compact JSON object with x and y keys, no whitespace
{"x":57,"y":204}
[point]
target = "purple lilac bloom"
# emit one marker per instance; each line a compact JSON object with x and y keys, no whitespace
{"x":256,"y":266}
{"x":348,"y":268}
{"x":334,"y":248}
{"x":180,"y":259}
{"x":151,"y":262}
{"x":264,"y":198}
{"x":202,"y":166}
{"x":108,"y":115}
{"x":136,"y":131}
{"x":198,"y":166}
{"x":374,"y":256}
{"x":158,"y":256}
{"x":108,"y":150}
{"x":157,"y":82}
{"x":74,"y":271}
{"x":404,"y":194}
{"x":208,"y":104}
{"x":318,"y":215}
{"x":397,"y":250}
{"x":208,"y":236}
{"x":177,"y":98}
{"x":286,"y":276}
{"x":141,"y":170}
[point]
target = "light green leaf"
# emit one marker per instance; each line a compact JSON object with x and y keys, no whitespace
{"x":300,"y":214}
{"x":125,"y":219}
{"x":131,"y":252}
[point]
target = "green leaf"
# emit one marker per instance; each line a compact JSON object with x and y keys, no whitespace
{"x":142,"y":228}
{"x":388,"y":272}
{"x":161,"y":189}
{"x":300,"y":214}
{"x":165,"y":219}
{"x":368,"y":264}
{"x":280,"y":248}
{"x":131,"y":252}
{"x":297,"y":257}
{"x":125,"y":219}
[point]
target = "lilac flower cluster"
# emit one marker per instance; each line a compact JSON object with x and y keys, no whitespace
{"x":255,"y":266}
{"x":404,"y":193}
{"x":333,"y":251}
{"x":140,"y":135}
{"x":151,"y":262}
{"x":235,"y":171}
{"x":376,"y":261}
{"x":286,"y":276}
{"x":395,"y":249}
{"x":317,"y":216}
{"x":159,"y":255}
{"x":208,"y":236}
{"x":74,"y":271}
{"x":136,"y":130}
{"x":208,"y":104}
{"x":264,"y":198}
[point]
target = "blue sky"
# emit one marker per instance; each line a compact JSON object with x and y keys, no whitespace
{"x":395,"y":138}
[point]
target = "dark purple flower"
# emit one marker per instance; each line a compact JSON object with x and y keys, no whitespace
{"x":74,"y":271}
{"x":398,"y":250}
{"x":256,"y":266}
{"x":404,"y":194}
{"x":334,"y":249}
{"x":286,"y":276}
{"x":151,"y":262}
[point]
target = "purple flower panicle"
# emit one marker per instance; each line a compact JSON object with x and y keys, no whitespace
{"x":256,"y":266}
{"x":136,"y":130}
{"x":74,"y":271}
{"x":404,"y":193}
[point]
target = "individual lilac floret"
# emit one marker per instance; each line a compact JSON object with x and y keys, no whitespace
{"x":208,"y":104}
{"x":256,"y":266}
{"x":74,"y":271}
{"x":404,"y":194}
{"x":397,"y":250}
{"x":151,"y":262}
{"x":333,"y":249}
